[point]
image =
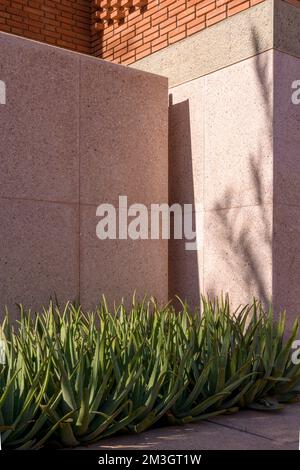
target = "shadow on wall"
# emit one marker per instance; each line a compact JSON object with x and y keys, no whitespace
{"x":238,"y":185}
{"x":183,"y":265}
{"x":245,"y":226}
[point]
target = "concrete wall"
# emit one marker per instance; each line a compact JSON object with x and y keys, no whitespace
{"x":237,"y":38}
{"x":227,"y":118}
{"x":76,"y":132}
{"x":234,"y":148}
{"x":272,"y":24}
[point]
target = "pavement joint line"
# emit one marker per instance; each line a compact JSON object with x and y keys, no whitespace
{"x":241,"y":430}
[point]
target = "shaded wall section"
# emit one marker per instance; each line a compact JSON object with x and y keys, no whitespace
{"x":286,"y":249}
{"x":76,"y":131}
{"x":186,"y":118}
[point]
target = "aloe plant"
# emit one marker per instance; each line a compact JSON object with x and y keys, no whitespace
{"x":23,"y":424}
{"x":74,"y":377}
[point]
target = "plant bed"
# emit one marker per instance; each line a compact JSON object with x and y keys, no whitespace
{"x":71,"y":378}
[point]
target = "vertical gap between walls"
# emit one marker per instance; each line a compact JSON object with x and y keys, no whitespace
{"x":79,"y":179}
{"x":202,"y":285}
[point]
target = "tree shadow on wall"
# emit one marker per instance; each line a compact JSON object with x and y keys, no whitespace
{"x":242,"y":241}
{"x":237,"y":227}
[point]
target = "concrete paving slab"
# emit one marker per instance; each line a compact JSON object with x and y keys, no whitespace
{"x":246,"y":430}
{"x":281,"y":427}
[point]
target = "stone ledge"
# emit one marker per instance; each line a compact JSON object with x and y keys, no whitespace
{"x":268,"y":25}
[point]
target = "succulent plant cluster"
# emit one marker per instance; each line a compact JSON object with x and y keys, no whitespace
{"x":71,"y":378}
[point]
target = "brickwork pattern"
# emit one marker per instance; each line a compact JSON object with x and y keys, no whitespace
{"x":161,"y":23}
{"x":64,"y":23}
{"x":133,"y":30}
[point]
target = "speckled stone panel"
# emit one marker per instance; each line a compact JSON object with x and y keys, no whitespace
{"x":117,"y":268}
{"x":286,"y":130}
{"x":77,"y":132}
{"x":123,"y":129}
{"x":286,"y":242}
{"x":39,"y":123}
{"x":238,"y":247}
{"x":123,"y":151}
{"x":39,"y":255}
{"x":237,"y":38}
{"x":235,"y":149}
{"x":239,"y":134}
{"x":221,"y":158}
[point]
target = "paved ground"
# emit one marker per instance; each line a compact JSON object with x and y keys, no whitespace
{"x":244,"y":430}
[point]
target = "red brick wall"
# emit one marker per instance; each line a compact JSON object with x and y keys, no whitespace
{"x":65,"y":23}
{"x":128,"y":30}
{"x":160,"y":23}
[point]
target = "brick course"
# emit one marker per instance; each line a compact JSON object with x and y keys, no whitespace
{"x":159,"y":24}
{"x":64,"y":23}
{"x":135,"y":29}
